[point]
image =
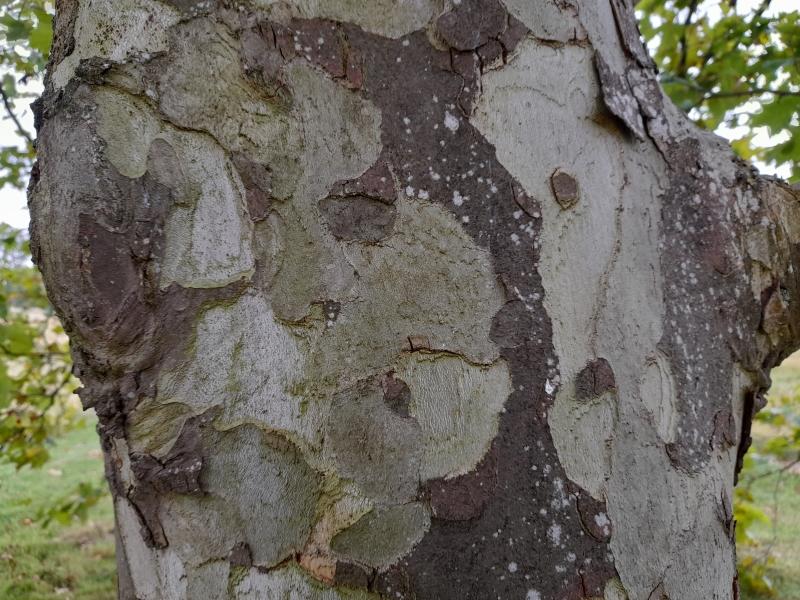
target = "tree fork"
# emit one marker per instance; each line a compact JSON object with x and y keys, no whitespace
{"x":418,"y":299}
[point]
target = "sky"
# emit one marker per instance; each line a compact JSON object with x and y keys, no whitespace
{"x":13,"y":205}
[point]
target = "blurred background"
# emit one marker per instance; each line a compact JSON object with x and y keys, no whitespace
{"x":733,"y":66}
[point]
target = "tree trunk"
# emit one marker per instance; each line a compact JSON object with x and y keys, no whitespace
{"x":406,"y":298}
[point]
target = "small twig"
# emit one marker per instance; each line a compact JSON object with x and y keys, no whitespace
{"x":54,"y":395}
{"x":774,"y":537}
{"x":708,"y":94}
{"x":684,"y":42}
{"x":751,"y":92}
{"x":728,"y":34}
{"x":10,"y":111}
{"x":783,"y":469}
{"x":761,"y":9}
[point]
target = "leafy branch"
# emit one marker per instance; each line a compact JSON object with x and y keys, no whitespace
{"x":718,"y":59}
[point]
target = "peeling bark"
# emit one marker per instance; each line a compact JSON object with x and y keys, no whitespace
{"x":414,"y":300}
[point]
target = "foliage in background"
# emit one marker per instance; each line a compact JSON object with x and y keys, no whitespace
{"x":37,"y":403}
{"x":26,"y":30}
{"x":774,"y":454}
{"x":72,"y":561}
{"x":36,"y":386}
{"x":732,"y":63}
{"x":37,"y":400}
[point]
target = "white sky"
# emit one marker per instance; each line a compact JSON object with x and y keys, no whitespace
{"x":13,"y":204}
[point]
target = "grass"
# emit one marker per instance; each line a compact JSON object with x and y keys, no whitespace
{"x":77,"y":562}
{"x":61,"y":562}
{"x":779,"y":496}
{"x":786,"y":378}
{"x":780,"y":540}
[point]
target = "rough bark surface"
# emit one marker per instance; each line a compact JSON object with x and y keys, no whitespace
{"x":416,"y":299}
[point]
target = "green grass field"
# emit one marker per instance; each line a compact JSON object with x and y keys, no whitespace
{"x":67,"y":563}
{"x":781,"y":540}
{"x":77,"y":562}
{"x":779,"y":496}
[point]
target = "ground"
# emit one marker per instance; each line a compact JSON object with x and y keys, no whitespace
{"x":779,"y":495}
{"x":785,"y":570}
{"x":70,"y":563}
{"x":77,"y":562}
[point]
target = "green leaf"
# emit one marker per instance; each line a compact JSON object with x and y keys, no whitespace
{"x":713,"y":68}
{"x":777,"y":115}
{"x":15,"y":29}
{"x":16,"y":338}
{"x":41,"y":36}
{"x":6,"y":386}
{"x":9,"y":85}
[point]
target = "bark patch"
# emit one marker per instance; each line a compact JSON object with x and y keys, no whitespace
{"x":594,"y":380}
{"x":433,"y":150}
{"x":464,"y":498}
{"x":565,"y":189}
{"x":619,"y":98}
{"x":358,"y":217}
{"x":471,"y":23}
{"x":257,"y":181}
{"x":396,"y":394}
{"x":362,"y":208}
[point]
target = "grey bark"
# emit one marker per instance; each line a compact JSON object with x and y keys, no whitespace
{"x":418,"y":299}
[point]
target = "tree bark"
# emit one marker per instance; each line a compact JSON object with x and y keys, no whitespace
{"x":406,"y":299}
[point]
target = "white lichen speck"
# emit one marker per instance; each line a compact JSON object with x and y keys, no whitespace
{"x":451,"y":121}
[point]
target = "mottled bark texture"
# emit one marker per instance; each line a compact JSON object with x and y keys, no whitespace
{"x":416,"y":299}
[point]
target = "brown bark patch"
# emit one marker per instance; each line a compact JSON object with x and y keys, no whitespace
{"x":465,"y":497}
{"x":594,"y":520}
{"x":471,"y":23}
{"x":376,"y":182}
{"x":594,"y":380}
{"x":63,"y":31}
{"x":358,"y":217}
{"x":352,"y":576}
{"x":396,"y":394}
{"x":565,"y":189}
{"x":257,"y":181}
{"x":240,"y":555}
{"x":362,"y":208}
